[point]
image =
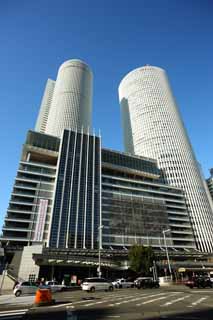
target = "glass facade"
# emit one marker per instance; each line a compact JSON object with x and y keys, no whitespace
{"x":130,"y":162}
{"x":76,"y":211}
{"x":137,"y":206}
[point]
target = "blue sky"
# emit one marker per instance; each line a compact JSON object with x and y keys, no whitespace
{"x":113,"y":37}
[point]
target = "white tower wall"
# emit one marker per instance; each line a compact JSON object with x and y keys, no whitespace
{"x":72,"y":100}
{"x":153,"y":127}
{"x":41,"y":122}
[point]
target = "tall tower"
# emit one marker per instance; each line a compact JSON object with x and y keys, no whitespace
{"x":153,"y":127}
{"x":71,"y":104}
{"x":41,"y":122}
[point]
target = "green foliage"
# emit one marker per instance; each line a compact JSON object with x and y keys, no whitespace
{"x":141,"y":259}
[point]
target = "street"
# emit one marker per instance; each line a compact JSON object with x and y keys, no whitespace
{"x":176,"y":302}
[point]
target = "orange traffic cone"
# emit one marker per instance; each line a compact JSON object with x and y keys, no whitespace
{"x":43,"y":297}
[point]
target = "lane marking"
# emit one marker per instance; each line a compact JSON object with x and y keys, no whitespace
{"x":161,"y":298}
{"x":150,"y":301}
{"x":198,"y":301}
{"x":174,"y":301}
{"x":143,"y":296}
{"x":126,"y":301}
{"x":14,"y":315}
{"x":72,"y":304}
{"x":12,"y":311}
{"x":103,"y":301}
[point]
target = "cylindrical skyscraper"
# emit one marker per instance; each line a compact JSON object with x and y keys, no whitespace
{"x":41,"y":122}
{"x":153,"y":127}
{"x":71,"y":105}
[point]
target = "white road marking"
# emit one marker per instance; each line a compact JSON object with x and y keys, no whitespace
{"x":12,"y":311}
{"x":150,"y":301}
{"x":127,"y":301}
{"x":153,"y":300}
{"x":12,"y":314}
{"x":106,"y":300}
{"x":61,"y":305}
{"x":174,"y":301}
{"x":198,"y":301}
{"x":142,"y":296}
{"x":72,"y":304}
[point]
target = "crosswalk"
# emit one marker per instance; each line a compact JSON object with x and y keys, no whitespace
{"x":138,"y":299}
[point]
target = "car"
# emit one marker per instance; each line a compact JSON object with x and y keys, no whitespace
{"x":123,"y":283}
{"x":55,"y":286}
{"x":147,"y":283}
{"x":27,"y":287}
{"x":199,"y":282}
{"x":94,"y":284}
{"x":139,"y":279}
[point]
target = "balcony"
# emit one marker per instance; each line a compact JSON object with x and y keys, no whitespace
{"x":17,"y":220}
{"x":10,"y":238}
{"x":20,"y":211}
{"x":16,"y":229}
{"x":34,"y":180}
{"x":38,"y":164}
{"x":37,"y":173}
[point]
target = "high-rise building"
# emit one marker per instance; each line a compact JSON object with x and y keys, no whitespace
{"x":42,"y":118}
{"x":209,"y":182}
{"x":28,"y":215}
{"x":153,"y":128}
{"x":76,"y":210}
{"x":71,"y":105}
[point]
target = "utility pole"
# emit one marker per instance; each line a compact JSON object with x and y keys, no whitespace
{"x":167,"y":253}
{"x":99,"y":250}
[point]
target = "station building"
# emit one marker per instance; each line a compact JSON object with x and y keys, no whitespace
{"x":72,"y":196}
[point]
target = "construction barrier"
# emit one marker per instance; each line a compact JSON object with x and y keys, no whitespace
{"x":43,"y":297}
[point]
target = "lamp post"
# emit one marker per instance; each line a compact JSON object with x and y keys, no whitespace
{"x":99,"y":250}
{"x":167,"y":253}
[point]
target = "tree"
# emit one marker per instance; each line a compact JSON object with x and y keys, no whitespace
{"x":141,"y":259}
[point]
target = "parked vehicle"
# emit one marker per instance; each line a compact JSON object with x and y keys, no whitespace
{"x":93,"y":284}
{"x":123,"y":283}
{"x":139,"y":279}
{"x":199,"y":282}
{"x":27,"y":287}
{"x":55,"y":286}
{"x":147,"y":283}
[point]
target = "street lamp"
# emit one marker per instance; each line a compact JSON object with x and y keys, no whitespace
{"x":167,"y":253}
{"x":99,"y":250}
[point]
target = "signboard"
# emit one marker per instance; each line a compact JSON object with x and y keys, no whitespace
{"x":74,"y":279}
{"x":181,"y":270}
{"x":42,"y":212}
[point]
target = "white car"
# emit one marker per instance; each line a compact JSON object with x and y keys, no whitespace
{"x":93,"y":284}
{"x":55,"y":286}
{"x":27,"y":287}
{"x":123,"y":283}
